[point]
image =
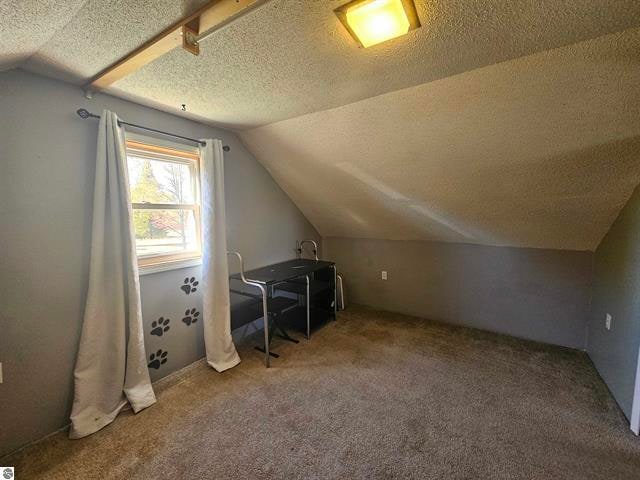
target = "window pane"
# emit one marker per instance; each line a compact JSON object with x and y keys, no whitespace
{"x":162,"y":232}
{"x":157,"y":181}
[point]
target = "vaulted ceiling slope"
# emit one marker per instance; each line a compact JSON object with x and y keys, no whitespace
{"x":288,"y":57}
{"x":75,"y":39}
{"x":540,"y":151}
{"x":500,"y":122}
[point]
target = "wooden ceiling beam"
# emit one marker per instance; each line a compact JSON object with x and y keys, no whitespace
{"x":185,"y":33}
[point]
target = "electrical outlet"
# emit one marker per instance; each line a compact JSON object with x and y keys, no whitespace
{"x":607,"y":322}
{"x":384,"y":274}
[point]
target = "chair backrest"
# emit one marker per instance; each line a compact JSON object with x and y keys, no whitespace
{"x":300,"y":244}
{"x":237,"y":254}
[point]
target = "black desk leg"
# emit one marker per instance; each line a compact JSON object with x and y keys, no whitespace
{"x":273,"y":354}
{"x":308,"y":301}
{"x":335,"y":293}
{"x":275,"y":329}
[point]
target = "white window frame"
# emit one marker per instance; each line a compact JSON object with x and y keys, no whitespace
{"x":189,"y":155}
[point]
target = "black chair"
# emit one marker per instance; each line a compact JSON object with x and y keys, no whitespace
{"x":277,"y":306}
{"x":258,"y":305}
{"x":243,"y":308}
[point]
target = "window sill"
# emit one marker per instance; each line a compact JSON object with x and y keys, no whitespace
{"x":164,"y":267}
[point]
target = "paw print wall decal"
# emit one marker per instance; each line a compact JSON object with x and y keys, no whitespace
{"x":190,"y":316}
{"x":160,"y":326}
{"x":157,"y":359}
{"x":190,"y":285}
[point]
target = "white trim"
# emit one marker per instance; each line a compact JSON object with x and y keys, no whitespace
{"x":164,"y":206}
{"x":161,"y":142}
{"x":194,"y":168}
{"x":163,"y":267}
{"x":161,"y":384}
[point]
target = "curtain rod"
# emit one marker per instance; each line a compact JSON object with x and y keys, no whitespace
{"x":84,"y":113}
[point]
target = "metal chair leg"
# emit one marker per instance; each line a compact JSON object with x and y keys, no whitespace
{"x":265,"y":310}
{"x":269,"y":332}
{"x":265,"y":313}
{"x":335,"y":293}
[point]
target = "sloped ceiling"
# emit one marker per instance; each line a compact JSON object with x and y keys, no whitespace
{"x":288,"y":57}
{"x":291,"y":57}
{"x":75,"y":39}
{"x":541,"y":151}
{"x":503,"y":122}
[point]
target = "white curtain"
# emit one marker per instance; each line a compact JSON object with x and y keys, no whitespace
{"x":111,"y":367}
{"x":221,"y":353}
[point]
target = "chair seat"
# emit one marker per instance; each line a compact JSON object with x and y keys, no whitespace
{"x":242,"y":311}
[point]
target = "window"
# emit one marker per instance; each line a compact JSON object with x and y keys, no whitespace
{"x":165,"y":196}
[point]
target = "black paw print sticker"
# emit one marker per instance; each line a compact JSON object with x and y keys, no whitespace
{"x":160,"y":326}
{"x":190,"y":285}
{"x":190,"y":316}
{"x":157,"y":359}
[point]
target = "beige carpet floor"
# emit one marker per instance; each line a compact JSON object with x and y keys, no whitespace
{"x":374,"y":395}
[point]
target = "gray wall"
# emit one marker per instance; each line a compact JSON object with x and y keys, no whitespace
{"x":46,"y":178}
{"x":529,"y":293}
{"x":617,"y":291}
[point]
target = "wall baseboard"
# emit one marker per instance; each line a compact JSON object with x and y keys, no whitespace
{"x":536,"y":294}
{"x":159,"y":386}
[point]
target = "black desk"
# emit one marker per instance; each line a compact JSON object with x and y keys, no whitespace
{"x":270,"y":276}
{"x":284,"y":271}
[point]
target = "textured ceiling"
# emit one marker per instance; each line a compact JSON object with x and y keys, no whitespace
{"x":75,"y":39}
{"x":541,"y":151}
{"x":25,"y":26}
{"x":502,"y":122}
{"x":289,"y":57}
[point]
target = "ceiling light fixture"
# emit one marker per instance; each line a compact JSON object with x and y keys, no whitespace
{"x":374,"y":21}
